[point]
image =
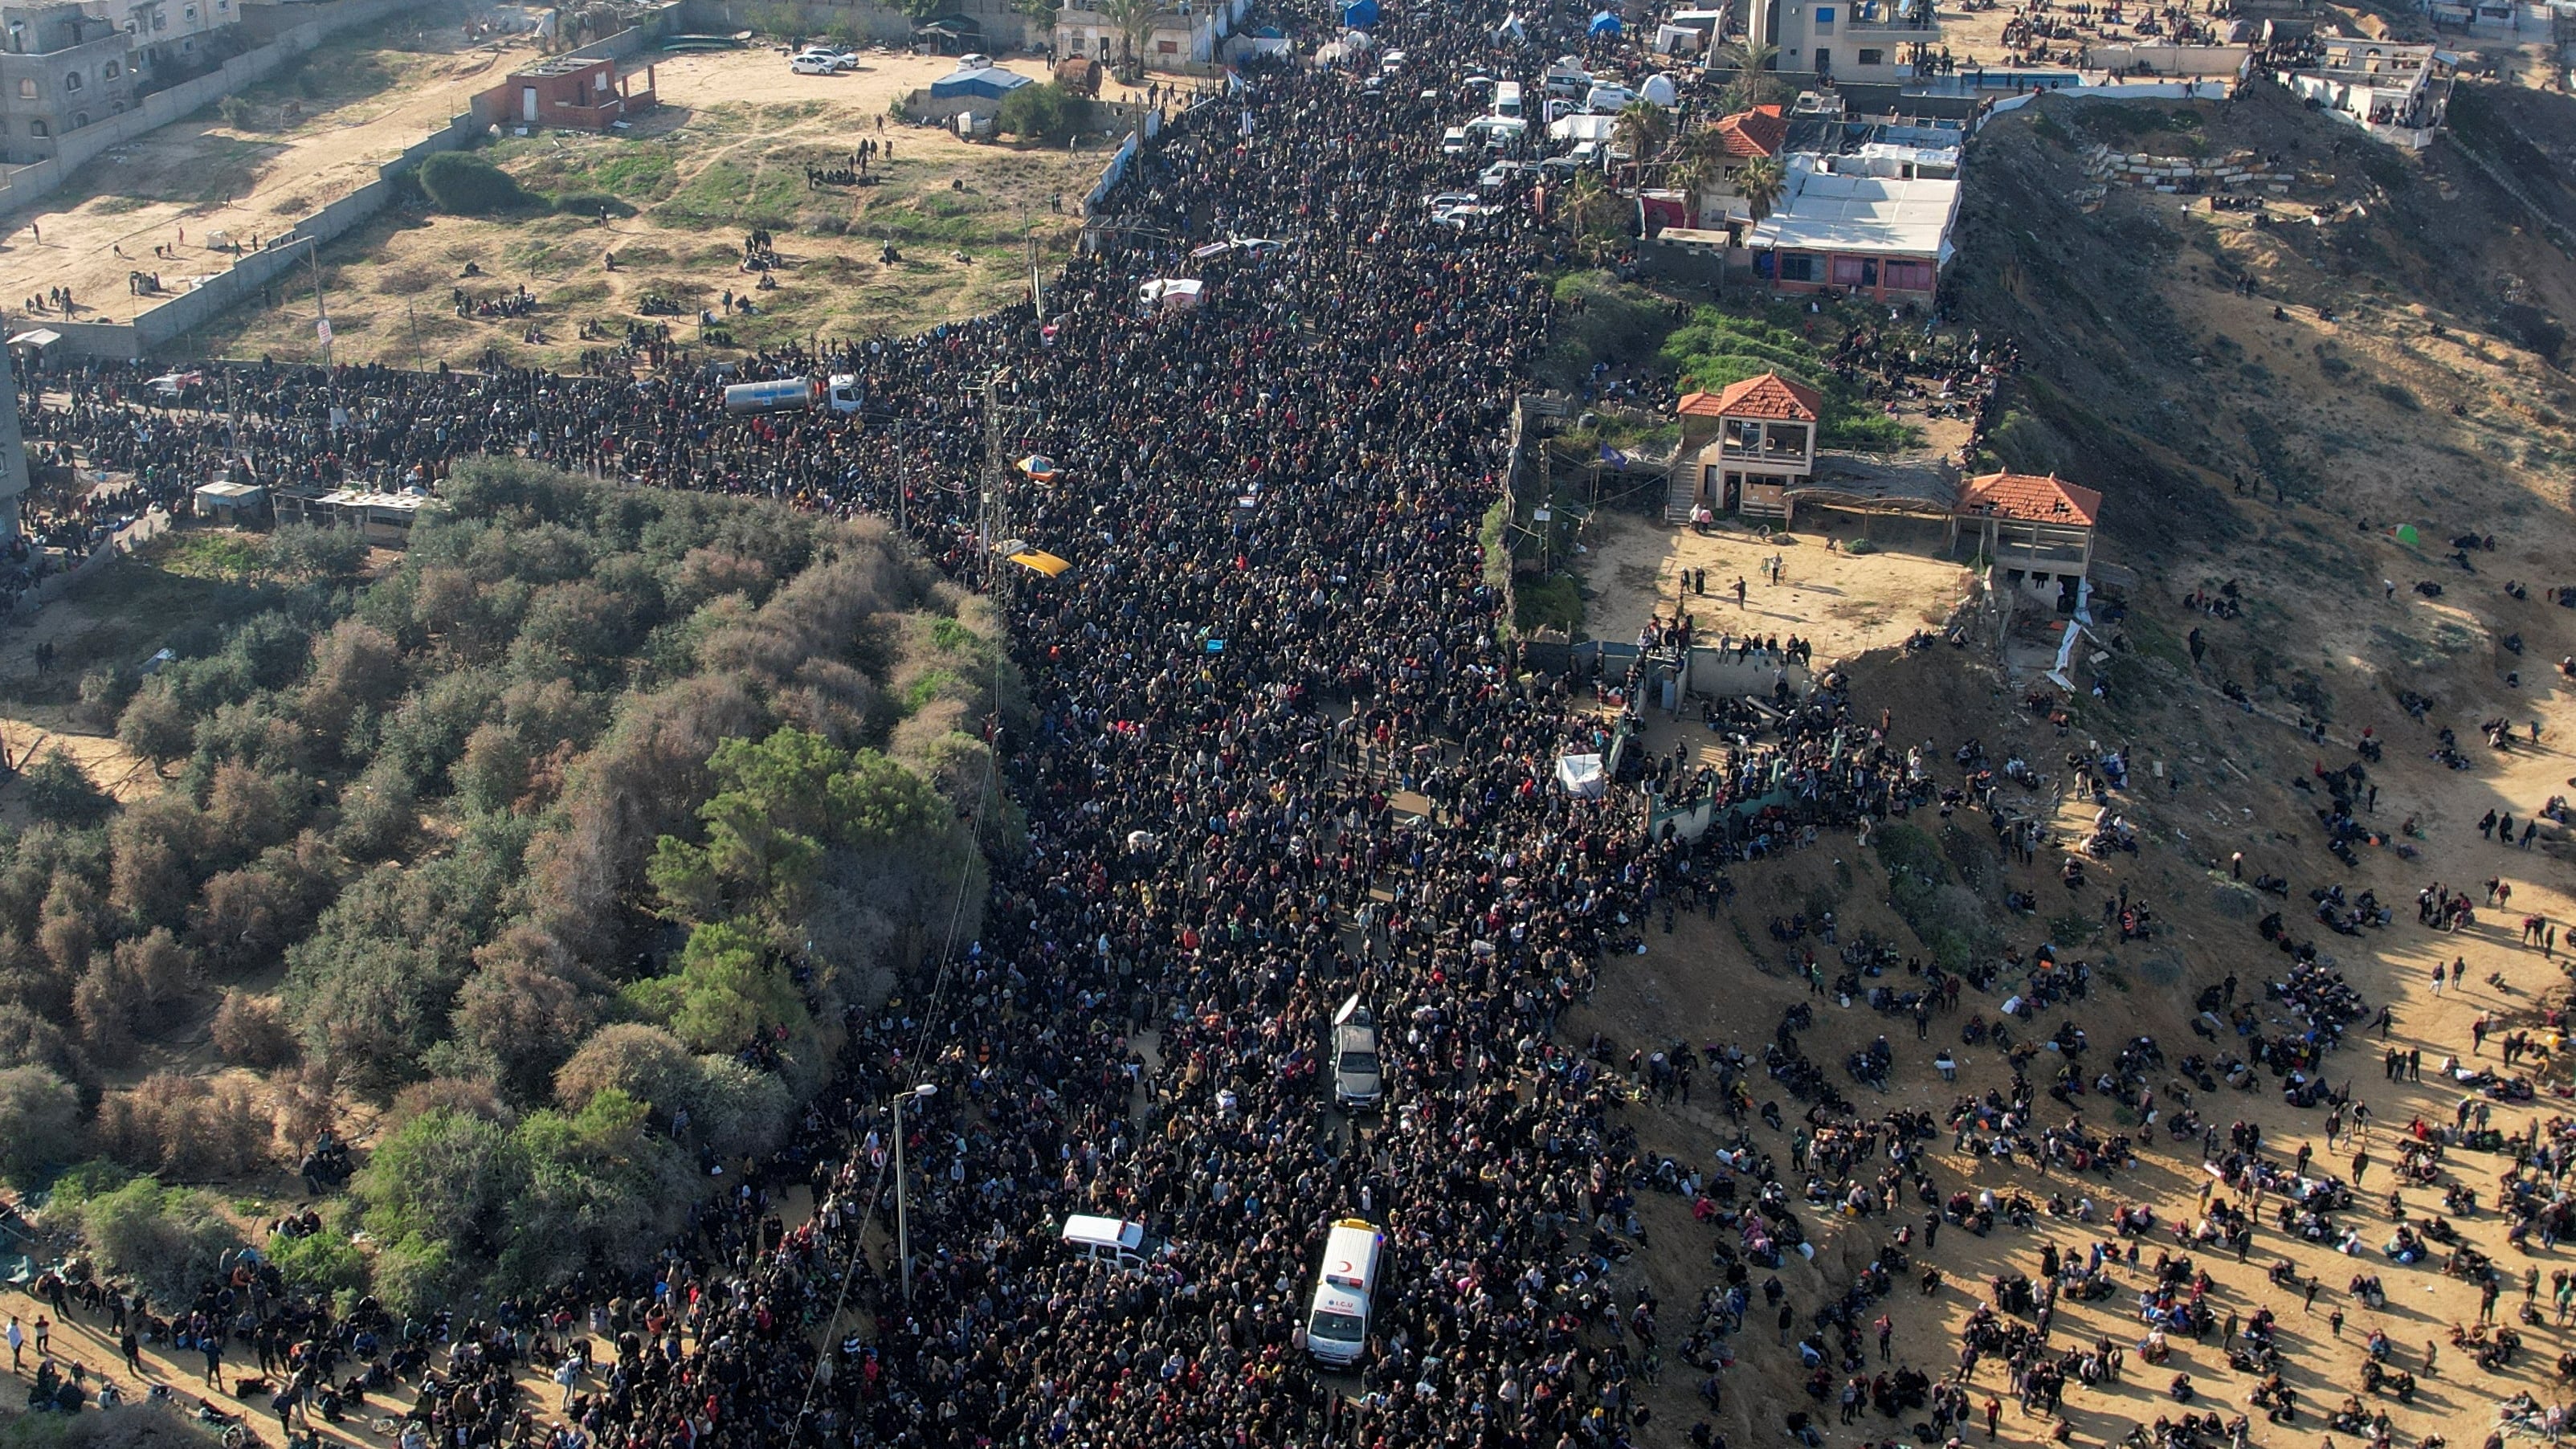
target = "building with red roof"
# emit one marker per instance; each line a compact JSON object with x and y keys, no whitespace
{"x":2036,"y":531}
{"x":1745,"y":447}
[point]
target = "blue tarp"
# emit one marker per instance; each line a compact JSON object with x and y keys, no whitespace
{"x":1605,"y":23}
{"x":990,"y":83}
{"x":1359,"y":14}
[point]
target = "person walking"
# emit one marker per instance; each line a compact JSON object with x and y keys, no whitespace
{"x":17,"y":1344}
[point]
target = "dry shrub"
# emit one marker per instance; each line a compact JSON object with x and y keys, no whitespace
{"x":453,"y":1094}
{"x":185,"y":1127}
{"x":251,"y":1031}
{"x":305,"y":1107}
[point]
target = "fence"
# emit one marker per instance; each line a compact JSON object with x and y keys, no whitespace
{"x":1001,"y":27}
{"x":25,"y":185}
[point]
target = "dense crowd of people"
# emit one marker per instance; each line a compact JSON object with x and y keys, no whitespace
{"x":1275,"y":622}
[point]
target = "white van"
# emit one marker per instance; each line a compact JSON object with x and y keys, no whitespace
{"x":1337,"y":1324}
{"x":1507,"y":100}
{"x":1112,"y":1241}
{"x":1606,"y":100}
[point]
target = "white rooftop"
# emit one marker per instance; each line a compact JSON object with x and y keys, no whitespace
{"x":1863,"y":215}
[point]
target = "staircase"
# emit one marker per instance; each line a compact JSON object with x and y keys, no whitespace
{"x":1677,"y":497}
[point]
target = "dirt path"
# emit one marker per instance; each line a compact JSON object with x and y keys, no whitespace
{"x":184,"y":183}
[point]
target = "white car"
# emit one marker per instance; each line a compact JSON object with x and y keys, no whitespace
{"x":1393,"y":64}
{"x":1453,"y":142}
{"x":973,"y":62}
{"x":815,"y":62}
{"x":1443,"y":200}
{"x":1496,"y":176}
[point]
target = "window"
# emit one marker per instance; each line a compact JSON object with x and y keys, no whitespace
{"x":160,"y":21}
{"x":26,"y":90}
{"x":71,"y":81}
{"x":1167,"y":47}
{"x":1798,"y":267}
{"x":109,"y":73}
{"x":189,"y":14}
{"x":1873,"y":57}
{"x":1824,"y":61}
{"x":1909,"y":276}
{"x":1846,"y":272}
{"x":1824,"y":20}
{"x":37,"y":128}
{"x":80,"y":119}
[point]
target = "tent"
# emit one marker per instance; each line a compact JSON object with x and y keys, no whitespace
{"x":1660,"y":90}
{"x":1605,"y":23}
{"x":1359,"y":14}
{"x":1038,"y":466}
{"x":1038,"y":560}
{"x":1580,"y":775}
{"x":1679,"y":39}
{"x":985,"y":83}
{"x":2407,"y":535}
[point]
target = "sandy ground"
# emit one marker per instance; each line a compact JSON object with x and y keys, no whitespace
{"x":725,"y":153}
{"x":1844,"y":604}
{"x":198,"y":176}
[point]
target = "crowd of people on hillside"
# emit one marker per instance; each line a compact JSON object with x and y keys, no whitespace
{"x":1277,"y":622}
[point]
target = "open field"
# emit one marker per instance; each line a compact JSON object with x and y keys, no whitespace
{"x":725,"y":153}
{"x":363,"y":98}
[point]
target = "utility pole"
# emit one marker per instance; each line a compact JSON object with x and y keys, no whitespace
{"x":988,"y":513}
{"x":411,"y":309}
{"x":321,"y":328}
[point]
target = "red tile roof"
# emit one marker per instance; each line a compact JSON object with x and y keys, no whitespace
{"x":1761,"y":131}
{"x":1767,"y":395}
{"x":2031,"y":498}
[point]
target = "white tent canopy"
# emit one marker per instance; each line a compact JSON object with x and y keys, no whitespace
{"x":1171,"y":293}
{"x":1580,"y":775}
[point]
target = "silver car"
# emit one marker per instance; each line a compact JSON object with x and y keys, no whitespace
{"x":1357,"y":1080}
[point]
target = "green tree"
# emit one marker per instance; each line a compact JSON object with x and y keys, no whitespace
{"x":154,"y":725}
{"x":1641,"y":129}
{"x":1046,"y":112}
{"x":59,"y":790}
{"x":1761,"y":183}
{"x":729,"y":990}
{"x":781,"y":803}
{"x":1134,"y":22}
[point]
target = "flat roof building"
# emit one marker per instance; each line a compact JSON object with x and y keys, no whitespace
{"x":1882,"y":237}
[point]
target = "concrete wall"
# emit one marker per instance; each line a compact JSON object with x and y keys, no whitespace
{"x":24,"y":185}
{"x":243,"y":281}
{"x":1004,"y":28}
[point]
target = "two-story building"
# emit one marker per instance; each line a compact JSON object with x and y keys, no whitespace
{"x":1747,"y":446}
{"x":170,"y":39}
{"x":61,"y":68}
{"x":1875,"y":41}
{"x":2037,"y":532}
{"x":1185,"y":34}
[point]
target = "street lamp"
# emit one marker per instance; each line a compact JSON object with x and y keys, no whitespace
{"x":902,"y":1218}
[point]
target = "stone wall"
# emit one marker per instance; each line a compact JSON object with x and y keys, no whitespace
{"x":2237,"y":171}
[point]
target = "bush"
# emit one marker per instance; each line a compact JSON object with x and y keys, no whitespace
{"x":238,"y":113}
{"x":589,"y":204}
{"x":104,"y":694}
{"x":323,"y":1262}
{"x":251,"y":1031}
{"x":39,"y":1123}
{"x":470,"y":186}
{"x":185,"y":1127}
{"x":60,"y":792}
{"x":166,"y":1238}
{"x":155,"y":725}
{"x":1046,"y":112}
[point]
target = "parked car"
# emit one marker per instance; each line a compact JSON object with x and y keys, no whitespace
{"x":1453,"y":142}
{"x":815,"y":63}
